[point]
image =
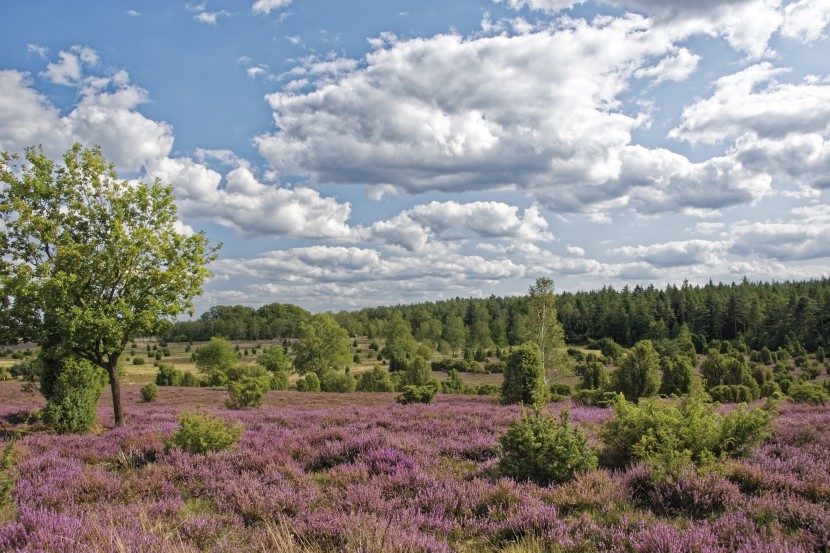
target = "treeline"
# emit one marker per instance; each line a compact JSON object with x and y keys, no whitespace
{"x":768,"y":315}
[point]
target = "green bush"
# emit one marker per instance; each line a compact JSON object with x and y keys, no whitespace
{"x":72,"y":388}
{"x":201,"y":433}
{"x":594,"y":375}
{"x":488,"y":390}
{"x":454,"y":384}
{"x":593,"y":398}
{"x":190,"y":380}
{"x":279,"y":380}
{"x":247,"y":392}
{"x":669,"y":436}
{"x":309,"y":383}
{"x":149,"y":392}
{"x":376,"y":380}
{"x":168,"y":376}
{"x":336,"y":381}
{"x":678,"y":375}
{"x":732,"y":393}
{"x":416,"y":394}
{"x":138,"y":360}
{"x":538,"y":448}
{"x":638,"y":375}
{"x":807,"y":392}
{"x":524,"y":376}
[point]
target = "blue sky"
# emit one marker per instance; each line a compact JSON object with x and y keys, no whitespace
{"x":360,"y":153}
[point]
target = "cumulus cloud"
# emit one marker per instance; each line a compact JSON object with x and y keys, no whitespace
{"x":425,"y":224}
{"x":532,"y":112}
{"x":676,"y":67}
{"x":265,"y":7}
{"x":805,"y":20}
{"x":676,"y":253}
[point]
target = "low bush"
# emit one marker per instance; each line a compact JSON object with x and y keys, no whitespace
{"x":670,"y":436}
{"x":309,"y":383}
{"x":593,"y":398}
{"x":376,"y":380}
{"x":541,"y":449}
{"x":279,"y":380}
{"x":72,"y":388}
{"x":138,"y":360}
{"x":732,"y":393}
{"x":339,"y":382}
{"x":809,"y":393}
{"x":201,"y":433}
{"x":416,"y":394}
{"x":149,"y":392}
{"x":247,"y":392}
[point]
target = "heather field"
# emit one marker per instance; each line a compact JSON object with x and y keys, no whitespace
{"x":358,"y":472}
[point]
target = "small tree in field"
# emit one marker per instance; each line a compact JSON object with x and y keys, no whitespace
{"x":88,"y":262}
{"x":638,"y":375}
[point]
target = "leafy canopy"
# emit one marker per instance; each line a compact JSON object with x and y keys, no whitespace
{"x":324,"y":345}
{"x":88,"y":261}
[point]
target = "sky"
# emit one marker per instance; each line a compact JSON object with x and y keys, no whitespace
{"x":363,"y":153}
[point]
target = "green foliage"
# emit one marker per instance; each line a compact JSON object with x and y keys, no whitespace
{"x":669,"y":436}
{"x":324,"y":345}
{"x":524,"y":376}
{"x":202,"y":433}
{"x":376,"y":380}
{"x":807,"y":392}
{"x":149,"y":392}
{"x":274,"y":360}
{"x":678,"y":375}
{"x":215,"y":359}
{"x":729,"y":370}
{"x":820,"y":354}
{"x":538,"y":448}
{"x":90,"y":261}
{"x":247,"y":392}
{"x":309,"y":383}
{"x":732,"y":393}
{"x":279,"y":380}
{"x":72,"y":388}
{"x":138,"y":360}
{"x":454,"y":384}
{"x":544,"y":329}
{"x":336,"y":381}
{"x":417,"y":373}
{"x":416,"y":394}
{"x":594,"y":376}
{"x":638,"y":374}
{"x":593,"y":398}
{"x":610,"y":349}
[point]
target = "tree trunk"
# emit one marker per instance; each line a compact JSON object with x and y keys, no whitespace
{"x":115,"y":386}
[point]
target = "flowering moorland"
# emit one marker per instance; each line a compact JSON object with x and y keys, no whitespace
{"x":357,"y":472}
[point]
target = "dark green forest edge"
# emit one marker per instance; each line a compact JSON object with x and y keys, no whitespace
{"x":753,"y":316}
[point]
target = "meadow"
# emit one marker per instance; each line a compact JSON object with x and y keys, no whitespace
{"x":358,"y":472}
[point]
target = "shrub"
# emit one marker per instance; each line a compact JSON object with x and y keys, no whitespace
{"x":524,"y":376}
{"x":190,"y":380}
{"x":638,"y":374}
{"x":279,"y":380}
{"x":820,"y":354}
{"x":594,"y":376}
{"x":677,"y":376}
{"x":201,"y":433}
{"x":416,"y":394}
{"x":687,"y":494}
{"x":807,"y":392}
{"x":454,"y":384}
{"x":488,"y":390}
{"x":593,"y":398}
{"x":376,"y":380}
{"x":733,"y":393}
{"x":309,"y":383}
{"x":72,"y":388}
{"x":770,"y":389}
{"x":168,"y":376}
{"x":149,"y":392}
{"x":336,"y":381}
{"x":538,"y":448}
{"x":247,"y":392}
{"x":138,"y":360}
{"x":668,"y":437}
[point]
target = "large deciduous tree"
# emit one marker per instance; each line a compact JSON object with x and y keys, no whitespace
{"x":88,"y":261}
{"x":324,"y":345}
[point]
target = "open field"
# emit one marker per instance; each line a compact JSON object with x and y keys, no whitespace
{"x":357,"y":472}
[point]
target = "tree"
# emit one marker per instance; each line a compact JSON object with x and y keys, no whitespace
{"x":454,"y":333}
{"x":274,"y":360}
{"x":678,"y":375}
{"x":215,"y":358}
{"x":524,"y":376}
{"x":545,"y":330}
{"x":324,"y":345}
{"x":638,"y":375}
{"x":88,"y":262}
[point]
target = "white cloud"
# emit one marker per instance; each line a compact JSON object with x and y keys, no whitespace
{"x":805,"y":20}
{"x":676,"y":253}
{"x":133,"y":13}
{"x":267,"y":6}
{"x":38,"y":50}
{"x":27,"y":118}
{"x":436,"y":223}
{"x":210,"y":18}
{"x":740,"y":105}
{"x":677,"y":67}
{"x":256,"y":71}
{"x":575,"y":250}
